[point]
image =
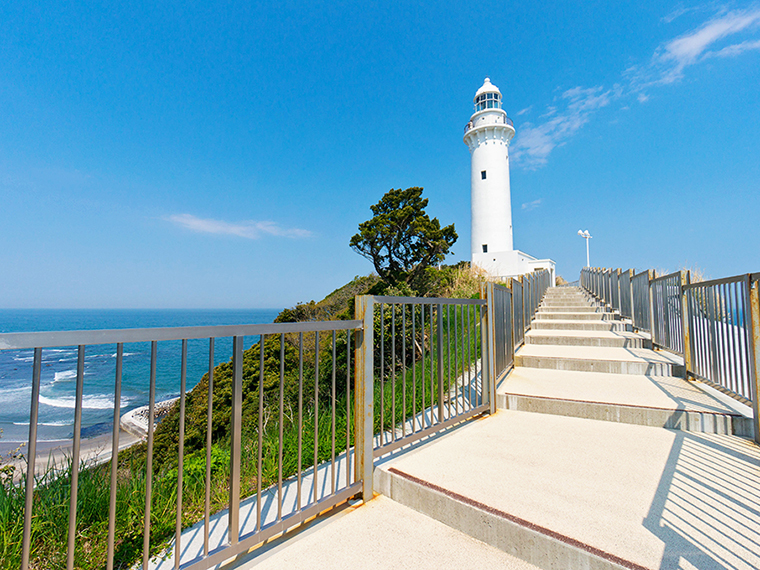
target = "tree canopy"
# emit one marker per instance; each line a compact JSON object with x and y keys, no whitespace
{"x":401,"y":240}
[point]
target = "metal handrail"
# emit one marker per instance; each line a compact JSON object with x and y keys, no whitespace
{"x":666,"y":277}
{"x":20,"y":341}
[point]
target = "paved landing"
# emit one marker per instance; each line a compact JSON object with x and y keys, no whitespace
{"x":664,"y":392}
{"x":633,"y":496}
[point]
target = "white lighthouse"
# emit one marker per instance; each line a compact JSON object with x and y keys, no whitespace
{"x":488,"y":135}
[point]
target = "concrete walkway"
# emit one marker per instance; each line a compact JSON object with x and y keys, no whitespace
{"x":564,"y":492}
{"x":590,"y":481}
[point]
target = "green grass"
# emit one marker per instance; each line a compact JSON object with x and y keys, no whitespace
{"x":52,"y":495}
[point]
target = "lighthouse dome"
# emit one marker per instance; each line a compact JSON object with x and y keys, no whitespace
{"x":488,"y":96}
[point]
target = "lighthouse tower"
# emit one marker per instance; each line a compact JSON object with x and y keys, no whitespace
{"x":488,"y":135}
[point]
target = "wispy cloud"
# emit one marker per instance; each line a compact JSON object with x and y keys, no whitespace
{"x":671,"y":58}
{"x":733,"y":50}
{"x":570,"y":111}
{"x":246,"y":229}
{"x":523,"y":111}
{"x":536,"y":142}
{"x":680,"y":11}
{"x":528,"y":206}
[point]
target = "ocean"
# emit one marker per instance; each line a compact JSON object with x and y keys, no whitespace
{"x":58,"y":376}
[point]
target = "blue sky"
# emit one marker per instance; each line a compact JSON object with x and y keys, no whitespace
{"x":204,"y":154}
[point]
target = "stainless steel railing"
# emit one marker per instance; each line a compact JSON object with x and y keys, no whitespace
{"x":428,"y":367}
{"x":641,"y":300}
{"x":503,"y":325}
{"x":626,"y":294}
{"x":720,"y":332}
{"x":240,"y":535}
{"x":667,"y":319}
{"x":714,"y":325}
{"x":518,"y":313}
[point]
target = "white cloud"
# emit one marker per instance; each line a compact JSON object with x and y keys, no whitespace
{"x":246,"y":229}
{"x":528,"y":206}
{"x":523,"y":111}
{"x":672,"y":57}
{"x":535,"y":142}
{"x":678,"y":12}
{"x":550,"y":112}
{"x":574,"y":108}
{"x":733,"y":50}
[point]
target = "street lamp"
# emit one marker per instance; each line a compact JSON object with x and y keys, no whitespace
{"x":587,"y":236}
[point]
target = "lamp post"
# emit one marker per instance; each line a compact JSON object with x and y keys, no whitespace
{"x":587,"y":236}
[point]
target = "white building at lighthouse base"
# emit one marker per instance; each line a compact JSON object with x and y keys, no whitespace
{"x":502,"y":265}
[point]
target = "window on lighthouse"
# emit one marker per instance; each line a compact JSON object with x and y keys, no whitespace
{"x":482,"y":174}
{"x":485,"y":248}
{"x":488,"y":101}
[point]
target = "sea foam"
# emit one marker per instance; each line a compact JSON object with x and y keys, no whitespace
{"x":101,"y":402}
{"x":65,"y":375}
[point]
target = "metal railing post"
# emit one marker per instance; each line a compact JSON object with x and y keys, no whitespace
{"x":26,"y":539}
{"x":686,"y":324}
{"x":650,"y":276}
{"x":236,"y":438}
{"x":754,"y":303}
{"x":439,"y":360}
{"x":512,"y":316}
{"x":491,"y":349}
{"x":364,"y":393}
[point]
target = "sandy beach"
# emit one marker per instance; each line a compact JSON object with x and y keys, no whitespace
{"x":93,"y":451}
{"x":95,"y":447}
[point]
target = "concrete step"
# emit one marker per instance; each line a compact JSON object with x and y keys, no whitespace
{"x":572,"y":316}
{"x":573,"y":297}
{"x":622,"y":339}
{"x":568,"y":309}
{"x":664,"y":402}
{"x":595,"y":359}
{"x":554,"y":324}
{"x":564,"y":492}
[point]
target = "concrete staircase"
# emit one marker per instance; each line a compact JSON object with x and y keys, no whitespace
{"x":609,"y":374}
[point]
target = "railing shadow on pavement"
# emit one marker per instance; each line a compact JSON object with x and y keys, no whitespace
{"x":707,"y":505}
